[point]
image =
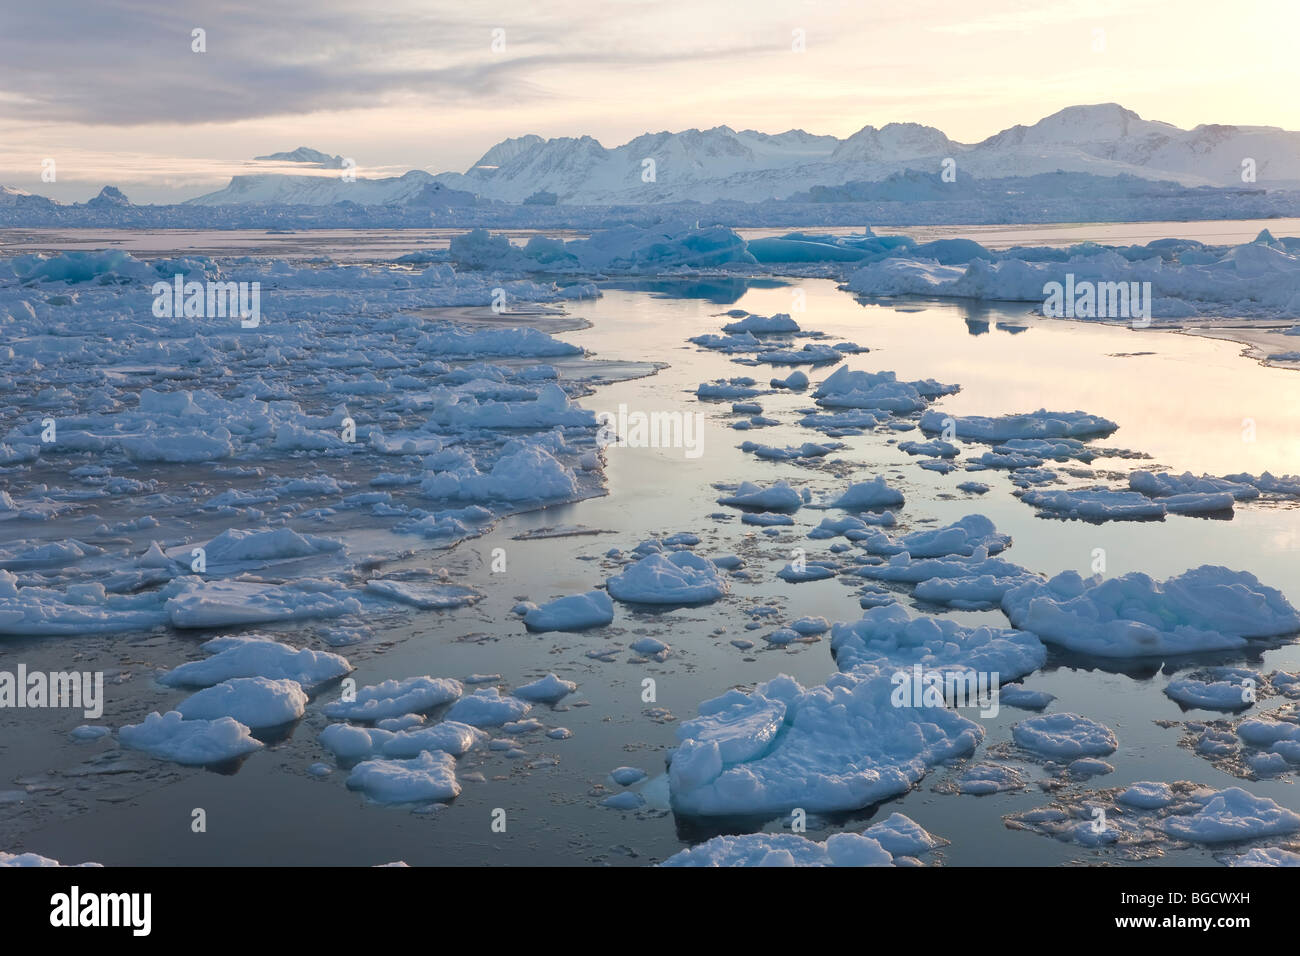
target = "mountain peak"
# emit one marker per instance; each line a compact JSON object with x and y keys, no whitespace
{"x":109,"y":196}
{"x":306,"y":155}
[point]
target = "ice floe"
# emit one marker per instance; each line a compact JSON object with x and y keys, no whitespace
{"x":1204,"y":609}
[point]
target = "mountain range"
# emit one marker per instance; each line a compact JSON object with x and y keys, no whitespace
{"x":723,"y":164}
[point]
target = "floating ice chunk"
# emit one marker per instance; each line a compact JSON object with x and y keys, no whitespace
{"x":809,"y":354}
{"x":1102,"y":504}
{"x":487,"y":707}
{"x":81,"y":609}
{"x":1039,"y":424}
{"x":795,"y":381}
{"x":728,"y":388}
{"x":1163,"y":485}
{"x":1265,"y":856}
{"x":655,"y":248}
{"x":235,"y":547}
{"x":254,"y":701}
{"x":1147,"y":795}
{"x":902,"y":568}
{"x":733,"y":343}
{"x":1206,"y":608}
{"x":393,"y":698}
{"x":257,"y":657}
{"x":739,"y":726}
{"x":974,"y":487}
{"x":844,"y":423}
{"x":878,"y":390}
{"x":842,"y":746}
{"x":172,"y":737}
{"x":1267,"y":733}
{"x":528,"y":473}
{"x":429,"y":776}
{"x":547,"y":690}
{"x":352,"y":743}
{"x":1085,"y":767}
{"x":865,"y":495}
{"x":766,"y":519}
{"x":1288,"y":685}
{"x":1269,"y":483}
{"x":449,"y":736}
{"x":548,"y":407}
{"x":962,"y":537}
{"x":1055,"y":449}
{"x":154,"y":558}
{"x":89,"y":732}
{"x":207,"y":603}
{"x":1015,"y":695}
{"x":901,"y":836}
{"x":650,"y":647}
{"x":806,"y":450}
{"x":933,"y":448}
{"x":807,"y":571}
{"x":32,"y":860}
{"x":983,"y":779}
{"x":1231,"y":815}
{"x":975,"y":593}
{"x":777,"y":497}
{"x":449,"y":340}
{"x":784,"y":849}
{"x":577,"y":612}
{"x":1065,"y":736}
{"x":764,"y":325}
{"x":811,"y":625}
{"x":681,"y":577}
{"x":626,"y":776}
{"x":429,"y":596}
{"x":1219,"y":688}
{"x":888,"y":638}
{"x":404,"y":722}
{"x":175,"y":448}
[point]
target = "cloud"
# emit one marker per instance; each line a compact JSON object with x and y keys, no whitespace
{"x":128,"y":62}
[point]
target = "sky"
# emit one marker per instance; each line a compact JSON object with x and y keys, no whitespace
{"x":114,"y":91}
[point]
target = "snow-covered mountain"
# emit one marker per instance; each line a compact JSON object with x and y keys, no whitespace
{"x":307,"y":155}
{"x":723,"y":164}
{"x":320,"y":190}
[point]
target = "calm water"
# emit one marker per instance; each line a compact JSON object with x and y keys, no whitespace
{"x":1184,"y":405}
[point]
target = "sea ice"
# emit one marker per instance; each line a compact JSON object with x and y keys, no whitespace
{"x":172,"y":737}
{"x":681,"y":577}
{"x":1204,"y":609}
{"x":784,"y":849}
{"x":253,"y":701}
{"x":1065,"y":736}
{"x":429,"y":776}
{"x":547,"y":690}
{"x":393,"y":698}
{"x":577,"y":612}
